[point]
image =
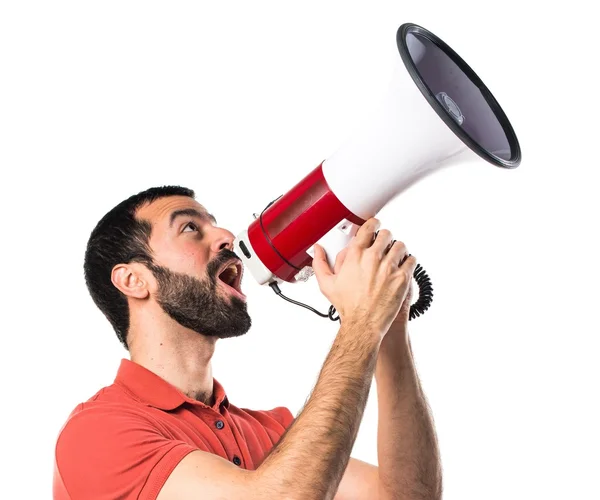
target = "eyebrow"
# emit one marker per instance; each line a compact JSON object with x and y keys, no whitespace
{"x":193,"y":213}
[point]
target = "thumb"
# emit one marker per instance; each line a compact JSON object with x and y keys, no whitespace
{"x":320,"y":264}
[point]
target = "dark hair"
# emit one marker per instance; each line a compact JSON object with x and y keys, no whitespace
{"x":120,"y":238}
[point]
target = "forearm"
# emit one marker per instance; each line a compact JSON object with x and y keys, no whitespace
{"x":311,"y":458}
{"x":407,"y":449}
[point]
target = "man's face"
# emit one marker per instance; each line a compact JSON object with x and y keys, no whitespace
{"x":190,"y":252}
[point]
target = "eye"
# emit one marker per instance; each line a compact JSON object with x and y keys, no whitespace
{"x":191,"y":225}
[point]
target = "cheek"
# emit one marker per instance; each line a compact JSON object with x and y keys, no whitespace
{"x":193,"y":261}
{"x":186,"y":257}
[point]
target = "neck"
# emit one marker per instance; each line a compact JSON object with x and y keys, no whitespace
{"x":178,"y":355}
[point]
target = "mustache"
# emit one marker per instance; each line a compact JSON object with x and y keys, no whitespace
{"x":214,"y":265}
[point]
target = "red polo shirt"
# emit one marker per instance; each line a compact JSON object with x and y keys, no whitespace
{"x":126,"y":440}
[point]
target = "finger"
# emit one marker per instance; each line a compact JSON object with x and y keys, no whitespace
{"x":409,"y":265}
{"x":396,"y":253}
{"x":320,"y":264}
{"x":382,"y":242}
{"x":339,"y":260}
{"x":364,"y":236}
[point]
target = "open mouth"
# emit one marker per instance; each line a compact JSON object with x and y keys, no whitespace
{"x":231,"y":276}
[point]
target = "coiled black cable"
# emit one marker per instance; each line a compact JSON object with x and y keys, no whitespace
{"x":425,"y":293}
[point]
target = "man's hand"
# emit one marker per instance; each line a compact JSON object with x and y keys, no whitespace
{"x":369,"y":279}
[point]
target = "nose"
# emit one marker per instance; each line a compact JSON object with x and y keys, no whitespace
{"x":223,"y":239}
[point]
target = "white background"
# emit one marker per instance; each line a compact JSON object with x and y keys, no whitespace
{"x":240,"y":100}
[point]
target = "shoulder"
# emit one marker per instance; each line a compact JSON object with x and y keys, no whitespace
{"x":113,"y":449}
{"x":107,"y":410}
{"x":283,"y":415}
{"x":280,"y":416}
{"x":96,"y":429}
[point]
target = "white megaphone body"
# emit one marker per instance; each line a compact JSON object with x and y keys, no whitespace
{"x":436,"y":112}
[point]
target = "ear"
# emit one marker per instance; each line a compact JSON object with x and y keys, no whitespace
{"x":131,"y":279}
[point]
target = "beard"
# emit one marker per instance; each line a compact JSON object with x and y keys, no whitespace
{"x":195,"y":303}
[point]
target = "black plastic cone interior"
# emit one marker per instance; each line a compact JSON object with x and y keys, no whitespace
{"x":458,"y":96}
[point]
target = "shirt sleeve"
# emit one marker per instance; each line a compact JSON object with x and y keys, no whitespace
{"x":283,"y":415}
{"x":109,"y":452}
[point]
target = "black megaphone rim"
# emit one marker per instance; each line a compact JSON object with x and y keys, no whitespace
{"x":515,"y":159}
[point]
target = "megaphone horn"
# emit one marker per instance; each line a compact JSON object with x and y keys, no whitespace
{"x":437,"y":112}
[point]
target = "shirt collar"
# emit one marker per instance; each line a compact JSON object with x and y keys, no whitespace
{"x":149,"y":388}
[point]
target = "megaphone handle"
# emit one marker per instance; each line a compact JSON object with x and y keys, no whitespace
{"x":336,"y":240}
{"x":339,"y":237}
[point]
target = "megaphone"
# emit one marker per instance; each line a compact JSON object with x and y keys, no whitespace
{"x":437,"y":112}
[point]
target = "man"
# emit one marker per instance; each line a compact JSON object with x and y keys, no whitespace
{"x":165,"y":276}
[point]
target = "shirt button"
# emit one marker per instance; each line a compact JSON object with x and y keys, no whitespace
{"x":236,"y":460}
{"x":219,"y":424}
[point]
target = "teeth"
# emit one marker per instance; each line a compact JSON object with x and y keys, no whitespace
{"x":234,"y":268}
